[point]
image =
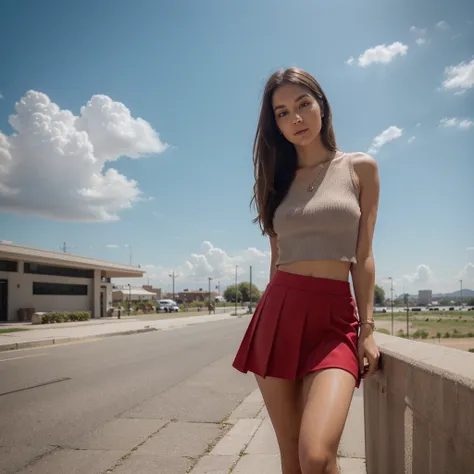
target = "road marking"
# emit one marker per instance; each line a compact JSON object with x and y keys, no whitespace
{"x":39,"y":348}
{"x":22,"y":357}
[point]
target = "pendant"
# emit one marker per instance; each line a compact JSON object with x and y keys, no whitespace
{"x":310,"y":188}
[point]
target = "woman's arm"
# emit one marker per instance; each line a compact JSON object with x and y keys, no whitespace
{"x":363,"y":272}
{"x":274,"y":255}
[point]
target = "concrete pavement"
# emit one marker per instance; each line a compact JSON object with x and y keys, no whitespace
{"x":47,"y":334}
{"x":150,"y":403}
{"x":250,"y":447}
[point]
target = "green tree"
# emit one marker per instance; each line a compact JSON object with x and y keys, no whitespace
{"x":470,"y":302}
{"x":229,"y":293}
{"x":379,"y":295}
{"x":244,"y":290}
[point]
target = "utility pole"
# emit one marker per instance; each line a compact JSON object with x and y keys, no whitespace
{"x":236,"y":290}
{"x":250,"y":307}
{"x":405,"y":297}
{"x":391,"y":299}
{"x":129,"y":252}
{"x":209,"y":278}
{"x":460,"y":281}
{"x":129,"y":298}
{"x":173,"y":277}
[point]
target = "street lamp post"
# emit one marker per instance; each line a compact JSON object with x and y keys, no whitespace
{"x":236,"y":290}
{"x":460,"y":281}
{"x":209,"y":278}
{"x":173,"y":277}
{"x":391,"y":299}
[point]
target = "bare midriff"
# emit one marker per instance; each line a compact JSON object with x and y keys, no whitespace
{"x":332,"y":269}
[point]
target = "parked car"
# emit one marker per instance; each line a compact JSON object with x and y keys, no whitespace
{"x":416,"y":309}
{"x":451,"y":308}
{"x":168,"y":306}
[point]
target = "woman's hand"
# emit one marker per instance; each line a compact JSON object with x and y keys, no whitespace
{"x":368,"y":350}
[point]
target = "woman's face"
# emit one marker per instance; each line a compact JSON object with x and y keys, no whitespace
{"x":297,"y":114}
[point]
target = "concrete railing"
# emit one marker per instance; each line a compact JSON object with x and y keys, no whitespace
{"x":419,"y":410}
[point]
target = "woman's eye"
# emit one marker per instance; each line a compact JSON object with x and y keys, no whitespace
{"x":304,"y":104}
{"x":282,"y":114}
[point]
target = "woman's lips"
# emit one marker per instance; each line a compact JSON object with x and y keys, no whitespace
{"x":301,"y":131}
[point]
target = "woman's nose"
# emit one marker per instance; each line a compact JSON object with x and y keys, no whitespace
{"x":297,"y":119}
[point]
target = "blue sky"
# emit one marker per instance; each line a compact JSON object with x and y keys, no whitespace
{"x":194,"y":72}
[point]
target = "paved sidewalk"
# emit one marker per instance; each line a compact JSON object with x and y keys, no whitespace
{"x":43,"y":335}
{"x":250,"y":446}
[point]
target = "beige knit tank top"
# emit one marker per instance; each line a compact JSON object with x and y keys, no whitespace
{"x":319,"y":217}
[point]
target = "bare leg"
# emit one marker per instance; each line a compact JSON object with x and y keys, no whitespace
{"x":327,"y":397}
{"x":283,"y":401}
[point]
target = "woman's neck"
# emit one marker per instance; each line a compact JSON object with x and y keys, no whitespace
{"x":312,"y":154}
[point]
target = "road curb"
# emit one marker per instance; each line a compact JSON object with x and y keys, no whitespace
{"x":61,"y":340}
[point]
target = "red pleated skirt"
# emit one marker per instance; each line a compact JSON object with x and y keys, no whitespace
{"x":301,"y":324}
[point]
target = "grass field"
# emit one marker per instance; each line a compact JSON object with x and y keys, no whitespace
{"x":8,"y":330}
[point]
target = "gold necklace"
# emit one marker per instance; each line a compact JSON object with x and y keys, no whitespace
{"x":320,"y":167}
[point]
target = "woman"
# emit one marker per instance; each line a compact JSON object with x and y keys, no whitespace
{"x":306,"y":344}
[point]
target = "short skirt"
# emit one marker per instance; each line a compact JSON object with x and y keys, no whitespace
{"x":301,"y":324}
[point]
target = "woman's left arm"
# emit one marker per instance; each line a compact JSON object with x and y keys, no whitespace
{"x":363,"y":272}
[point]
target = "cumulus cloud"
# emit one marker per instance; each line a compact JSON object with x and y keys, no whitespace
{"x":214,"y":262}
{"x":381,"y":54}
{"x":464,"y":124}
{"x":467,"y":273}
{"x":421,"y":35}
{"x":57,"y":165}
{"x":460,"y":76}
{"x":388,"y":135}
{"x":442,"y":25}
{"x":421,"y":276}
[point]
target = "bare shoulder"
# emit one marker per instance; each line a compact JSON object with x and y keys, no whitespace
{"x":365,"y":167}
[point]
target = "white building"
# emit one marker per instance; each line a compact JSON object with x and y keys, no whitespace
{"x":133,"y":294}
{"x":41,"y":280}
{"x":425,"y":297}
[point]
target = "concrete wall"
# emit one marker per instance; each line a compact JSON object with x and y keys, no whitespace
{"x":20,"y":293}
{"x":419,"y":410}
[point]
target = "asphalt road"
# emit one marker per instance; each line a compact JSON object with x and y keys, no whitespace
{"x":141,"y":403}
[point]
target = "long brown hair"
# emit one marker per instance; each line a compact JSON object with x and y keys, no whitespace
{"x":274,"y":157}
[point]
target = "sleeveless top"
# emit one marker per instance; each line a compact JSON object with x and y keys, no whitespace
{"x":319,"y":217}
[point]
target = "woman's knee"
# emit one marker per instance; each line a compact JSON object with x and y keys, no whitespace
{"x":317,"y":460}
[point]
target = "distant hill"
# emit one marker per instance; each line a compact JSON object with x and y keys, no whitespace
{"x":466,"y":293}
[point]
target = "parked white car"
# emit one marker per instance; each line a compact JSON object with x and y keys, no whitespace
{"x":168,"y":306}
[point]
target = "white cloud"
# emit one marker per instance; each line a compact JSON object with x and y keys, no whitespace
{"x":469,"y":248}
{"x":467,"y":273}
{"x":1,"y":96}
{"x":388,"y":135}
{"x":381,"y":54}
{"x":418,"y":31}
{"x":112,"y":246}
{"x":56,"y":165}
{"x":418,"y":124}
{"x":216,"y":263}
{"x":442,"y":25}
{"x":412,"y":139}
{"x":350,"y":61}
{"x":460,"y":92}
{"x":422,"y":276}
{"x":460,"y":76}
{"x":455,"y":122}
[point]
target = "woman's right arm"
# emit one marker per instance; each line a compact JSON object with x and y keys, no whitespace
{"x":274,"y":255}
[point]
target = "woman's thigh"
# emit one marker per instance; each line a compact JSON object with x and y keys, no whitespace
{"x":327,"y":396}
{"x":283,"y":399}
